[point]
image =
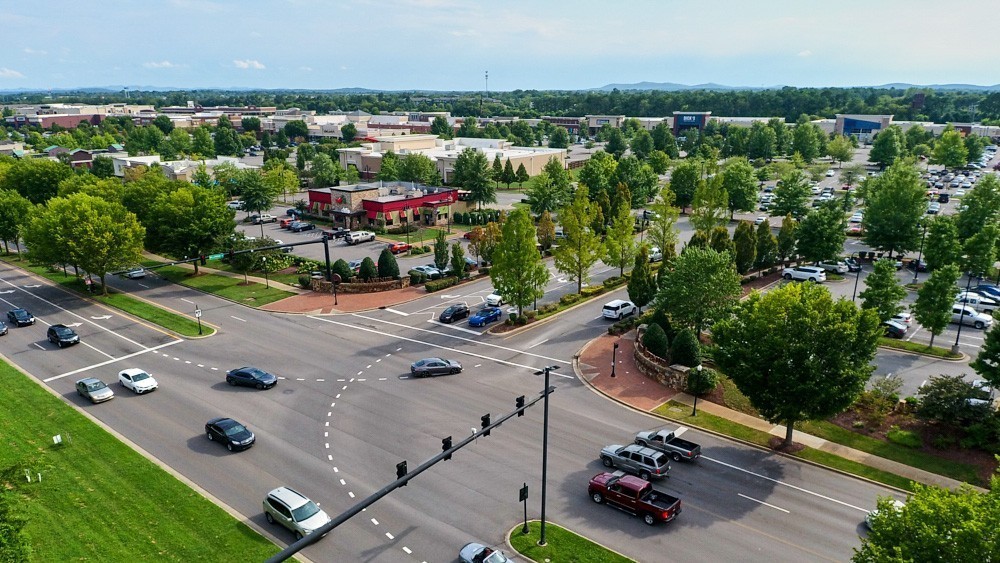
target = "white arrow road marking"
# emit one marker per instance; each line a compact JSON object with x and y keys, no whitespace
{"x":33,"y":286}
{"x":101,"y":318}
{"x":8,"y":291}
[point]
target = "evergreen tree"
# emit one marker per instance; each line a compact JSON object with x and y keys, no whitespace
{"x":767,"y":247}
{"x":787,"y":238}
{"x":440,"y":252}
{"x":496,"y":173}
{"x":987,"y":362}
{"x":745,"y":243}
{"x":685,"y":349}
{"x":655,"y":340}
{"x":387,"y":266}
{"x":641,"y":283}
{"x":719,"y":241}
{"x":521,"y":176}
{"x":458,"y":260}
{"x":368,"y":269}
{"x":508,"y":176}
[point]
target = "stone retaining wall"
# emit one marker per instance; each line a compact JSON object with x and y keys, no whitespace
{"x":657,"y":368}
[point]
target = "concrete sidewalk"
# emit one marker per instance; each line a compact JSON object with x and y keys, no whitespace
{"x":633,"y":389}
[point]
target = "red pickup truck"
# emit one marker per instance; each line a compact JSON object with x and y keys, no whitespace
{"x":634,"y":495}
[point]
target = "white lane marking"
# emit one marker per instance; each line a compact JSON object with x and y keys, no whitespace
{"x":383,"y":378}
{"x":538,"y":344}
{"x":341,"y":380}
{"x":237,"y":318}
{"x":320,"y":380}
{"x":111,"y":361}
{"x":453,"y":327}
{"x":327,"y":445}
{"x":335,"y":470}
{"x":337,"y":397}
{"x":451,"y":336}
{"x":187,"y":301}
{"x":143,"y":285}
{"x":350,"y":494}
{"x":764,"y":503}
{"x":201,"y":365}
{"x":40,"y":347}
{"x":299,"y":379}
{"x":374,"y":521}
{"x":477,"y":365}
{"x":187,"y":361}
{"x":369,"y":366}
{"x":326,"y":434}
{"x":407,"y":550}
{"x":473,"y":354}
{"x":397,"y":312}
{"x":329,"y":457}
{"x":388,"y":535}
{"x":359,"y":373}
{"x":362,"y":379}
{"x":342,"y":482}
{"x":777,"y":482}
{"x":215,"y":369}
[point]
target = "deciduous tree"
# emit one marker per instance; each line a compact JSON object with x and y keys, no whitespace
{"x":518,"y":273}
{"x":787,"y":238}
{"x":767,"y":247}
{"x":887,"y":147}
{"x":546,"y":230}
{"x":581,"y":247}
{"x":710,"y":206}
{"x":472,"y":173}
{"x":791,"y":196}
{"x":840,"y":149}
{"x":701,"y":288}
{"x":559,"y":138}
{"x":896,"y":203}
{"x":740,"y":184}
{"x":796,"y":353}
{"x":821,"y":234}
{"x":935,"y":297}
{"x":641,"y":283}
{"x":15,"y":213}
{"x":949,"y":150}
{"x":745,"y":245}
{"x":188,"y":222}
{"x":941,"y":244}
{"x":36,"y":179}
{"x":982,"y":207}
{"x":662,"y":231}
{"x":883,"y":292}
{"x":619,"y":242}
{"x":440,"y":251}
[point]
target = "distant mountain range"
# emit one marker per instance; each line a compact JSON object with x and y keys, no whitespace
{"x":119,"y":89}
{"x":674,"y":87}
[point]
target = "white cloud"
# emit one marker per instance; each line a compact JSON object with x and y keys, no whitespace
{"x":9,"y":73}
{"x":31,"y":51}
{"x":306,"y":68}
{"x":806,"y":53}
{"x":342,"y":67}
{"x":249,"y":63}
{"x":160,"y":64}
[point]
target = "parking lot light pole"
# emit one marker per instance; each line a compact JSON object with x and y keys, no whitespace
{"x":857,"y":277}
{"x":920,"y":254}
{"x":614,"y":359}
{"x":961,"y":318}
{"x":545,"y":446}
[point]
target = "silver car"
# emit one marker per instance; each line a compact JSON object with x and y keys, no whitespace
{"x":293,"y":510}
{"x":94,"y":389}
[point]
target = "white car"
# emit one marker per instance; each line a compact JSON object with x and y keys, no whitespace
{"x":959,"y":193}
{"x":136,"y":273}
{"x":904,"y":318}
{"x":655,"y":254}
{"x":870,"y":517}
{"x":236,"y":205}
{"x":805,"y":273}
{"x":759,"y":220}
{"x":830,"y":173}
{"x":137,"y":380}
{"x":494,"y":300}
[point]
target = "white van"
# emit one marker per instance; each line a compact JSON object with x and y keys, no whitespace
{"x":354,"y":237}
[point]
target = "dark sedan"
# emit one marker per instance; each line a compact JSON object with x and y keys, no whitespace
{"x":20,"y":317}
{"x":434,"y":366}
{"x":251,"y":377}
{"x":485,"y":316}
{"x":299,"y":226}
{"x":454,"y":313}
{"x":227,"y":431}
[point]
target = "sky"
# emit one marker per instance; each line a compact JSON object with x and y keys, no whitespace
{"x":523,"y":44}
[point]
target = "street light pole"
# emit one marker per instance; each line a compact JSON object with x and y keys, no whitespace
{"x":857,"y":277}
{"x":267,"y":281}
{"x":920,"y":255}
{"x":961,"y":321}
{"x":545,"y":446}
{"x":614,"y":359}
{"x":694,"y":411}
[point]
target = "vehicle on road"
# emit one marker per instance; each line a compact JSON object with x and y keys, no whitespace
{"x":229,"y":433}
{"x":251,"y":377}
{"x":62,"y":335}
{"x":479,"y":553}
{"x":399,"y":247}
{"x":20,"y":317}
{"x":355,"y":237}
{"x":263,"y":218}
{"x":94,"y":389}
{"x":894,"y":329}
{"x":805,"y":273}
{"x":980,"y":303}
{"x":299,"y":226}
{"x":896,"y":505}
{"x":454,"y":312}
{"x":135,"y":273}
{"x":645,"y":462}
{"x":3,"y":329}
{"x":337,"y":232}
{"x":830,"y":173}
{"x":618,"y":309}
{"x":294,"y":511}
{"x":434,"y":366}
{"x":494,"y":300}
{"x":137,"y":380}
{"x":834,"y":266}
{"x":634,"y":495}
{"x":966,"y":315}
{"x":485,"y":316}
{"x":235,"y":205}
{"x":670,"y":443}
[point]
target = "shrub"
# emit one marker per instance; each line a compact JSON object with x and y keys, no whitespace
{"x":416,"y":251}
{"x":592,"y":291}
{"x":613,"y":282}
{"x":387,"y":266}
{"x":305,"y":280}
{"x":341,"y":268}
{"x":904,"y":437}
{"x":569,"y":298}
{"x":484,"y":270}
{"x":521,"y":320}
{"x":548,"y":308}
{"x":660,"y":317}
{"x":438,"y":285}
{"x":701,"y":381}
{"x":368,"y":269}
{"x":655,"y":340}
{"x":624,"y":325}
{"x":685,"y":349}
{"x":531,"y":315}
{"x":417,"y":277}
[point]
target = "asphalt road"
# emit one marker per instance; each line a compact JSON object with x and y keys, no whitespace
{"x":346,"y":411}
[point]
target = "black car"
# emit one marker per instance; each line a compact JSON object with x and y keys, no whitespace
{"x":944,"y":198}
{"x":299,"y":226}
{"x":853,"y":265}
{"x":454,"y":313}
{"x":20,"y":317}
{"x":339,"y":232}
{"x":227,"y":431}
{"x":918,"y":265}
{"x":62,"y":335}
{"x":251,"y":377}
{"x":894,"y":329}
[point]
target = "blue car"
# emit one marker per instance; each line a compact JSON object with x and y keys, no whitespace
{"x":485,"y":316}
{"x":987,"y":290}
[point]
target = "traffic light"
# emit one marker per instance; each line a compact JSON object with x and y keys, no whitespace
{"x":519,"y":404}
{"x":446,"y":445}
{"x":486,"y":422}
{"x":401,"y":471}
{"x":204,"y":260}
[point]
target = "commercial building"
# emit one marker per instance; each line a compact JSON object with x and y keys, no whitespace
{"x":390,"y":203}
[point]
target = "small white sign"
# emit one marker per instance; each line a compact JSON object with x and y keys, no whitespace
{"x":197,"y":313}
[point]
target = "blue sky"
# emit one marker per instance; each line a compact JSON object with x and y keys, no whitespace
{"x":449,"y":44}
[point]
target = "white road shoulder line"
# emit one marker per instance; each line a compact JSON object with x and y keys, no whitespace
{"x":397,"y":312}
{"x":790,"y":486}
{"x":764,"y":503}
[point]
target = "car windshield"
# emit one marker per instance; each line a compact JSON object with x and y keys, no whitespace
{"x":258,"y":374}
{"x":235,"y":430}
{"x":140,"y":376}
{"x":62,"y":331}
{"x":305,"y":512}
{"x":495,"y":557}
{"x":95,"y":386}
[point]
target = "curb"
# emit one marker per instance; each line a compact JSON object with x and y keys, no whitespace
{"x":525,"y":328}
{"x":579,"y":376}
{"x":963,"y":357}
{"x":517,"y":528}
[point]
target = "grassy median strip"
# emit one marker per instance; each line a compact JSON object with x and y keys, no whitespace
{"x":681,"y":412}
{"x":97,"y":499}
{"x":254,"y":294}
{"x":935,"y":351}
{"x":561,"y":545}
{"x":180,"y":324}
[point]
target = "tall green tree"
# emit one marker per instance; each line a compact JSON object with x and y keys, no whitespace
{"x":641,"y":144}
{"x":389,"y":169}
{"x":949,"y":150}
{"x":103,"y":167}
{"x":883,"y":292}
{"x":616,"y":143}
{"x":496,"y":173}
{"x":980,"y":250}
{"x":896,"y":202}
{"x":982,"y":207}
{"x":227,"y":141}
{"x":458,"y":260}
{"x":581,"y":247}
{"x":559,"y":138}
{"x":472,"y":173}
{"x":419,"y":168}
{"x":935,"y":297}
{"x":791,"y":196}
{"x":710,"y":206}
{"x":560,"y":177}
{"x":15,"y":213}
{"x":887,"y":147}
{"x":521,"y":176}
{"x":767,"y":247}
{"x":508,"y":176}
{"x":745,"y":246}
{"x":348,"y":132}
{"x":296,"y":129}
{"x":641,"y":282}
{"x":840,"y":149}
{"x":796,"y":353}
{"x":639,"y":177}
{"x":598,"y":173}
{"x":740,"y":183}
{"x":941,"y":244}
{"x":518,"y":272}
{"x":788,"y":238}
{"x":441,"y":127}
{"x":440,"y":251}
{"x":662,"y":231}
{"x":387,"y":265}
{"x":663,"y":140}
{"x":619,"y":242}
{"x":701,"y":288}
{"x":201,"y":142}
{"x":805,"y":141}
{"x":280,"y":180}
{"x":763,"y":142}
{"x":546,"y":231}
{"x":188,"y":222}
{"x":36,"y":179}
{"x":543,"y":196}
{"x":821,"y":234}
{"x":987,"y":362}
{"x":325,"y":171}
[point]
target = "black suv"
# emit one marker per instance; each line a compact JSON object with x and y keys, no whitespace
{"x":20,"y":317}
{"x":454,"y":313}
{"x":62,"y":335}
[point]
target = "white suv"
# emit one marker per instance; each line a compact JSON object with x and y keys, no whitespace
{"x":805,"y":273}
{"x":618,"y":309}
{"x":294,"y":511}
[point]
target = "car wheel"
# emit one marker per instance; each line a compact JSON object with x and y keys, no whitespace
{"x":648,"y":519}
{"x":675,"y":456}
{"x":812,"y":280}
{"x":787,"y":276}
{"x":607,"y":462}
{"x":644,"y":475}
{"x":597,"y":497}
{"x":78,"y":392}
{"x":260,"y":386}
{"x":231,"y":381}
{"x":59,"y":344}
{"x":210,"y":437}
{"x":269,"y":518}
{"x":454,"y":371}
{"x":298,"y":535}
{"x":979,"y":325}
{"x":229,"y":447}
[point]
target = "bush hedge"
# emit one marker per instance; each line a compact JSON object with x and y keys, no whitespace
{"x":438,"y":285}
{"x":569,"y":298}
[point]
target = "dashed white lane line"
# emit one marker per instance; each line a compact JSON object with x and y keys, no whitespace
{"x":397,"y":312}
{"x":390,"y":536}
{"x":350,"y":494}
{"x":335,"y":470}
{"x":215,"y":369}
{"x":327,"y":445}
{"x":239,"y":319}
{"x":378,"y":360}
{"x":374,"y":521}
{"x":407,"y":550}
{"x":342,"y":482}
{"x":111,"y":361}
{"x":329,"y":457}
{"x":477,"y":365}
{"x":360,"y":372}
{"x":337,"y":397}
{"x":764,"y":503}
{"x":187,"y":361}
{"x":201,"y":365}
{"x":187,"y":301}
{"x":369,"y":366}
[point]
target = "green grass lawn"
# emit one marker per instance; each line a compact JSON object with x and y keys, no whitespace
{"x":180,"y":324}
{"x":935,"y":351}
{"x":254,"y":294}
{"x":561,"y":545}
{"x":682,"y":413}
{"x":290,"y":279}
{"x":97,"y":499}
